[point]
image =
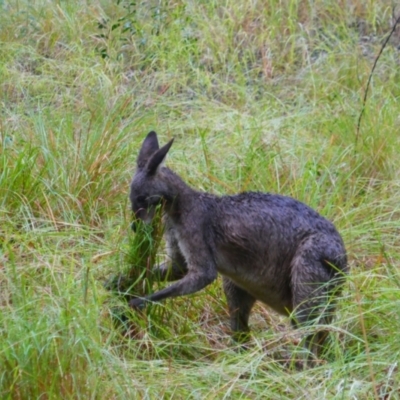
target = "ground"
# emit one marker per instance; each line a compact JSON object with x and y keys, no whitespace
{"x":258,"y":96}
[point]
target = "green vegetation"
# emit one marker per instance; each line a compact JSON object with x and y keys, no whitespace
{"x":259,"y":96}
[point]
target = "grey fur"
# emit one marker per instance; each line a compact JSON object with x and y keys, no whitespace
{"x":267,"y":247}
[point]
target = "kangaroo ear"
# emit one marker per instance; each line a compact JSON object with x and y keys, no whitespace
{"x":149,"y":147}
{"x":157,"y":158}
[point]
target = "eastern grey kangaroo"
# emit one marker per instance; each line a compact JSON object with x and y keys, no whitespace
{"x":267,"y":247}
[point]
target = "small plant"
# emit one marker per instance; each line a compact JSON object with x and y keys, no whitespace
{"x":127,"y":26}
{"x":138,"y":279}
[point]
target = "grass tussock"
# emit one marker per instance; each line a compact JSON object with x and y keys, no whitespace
{"x":259,"y":96}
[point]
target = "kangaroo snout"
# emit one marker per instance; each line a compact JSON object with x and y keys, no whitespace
{"x":142,"y":216}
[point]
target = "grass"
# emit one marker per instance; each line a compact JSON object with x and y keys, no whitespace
{"x":258,"y":97}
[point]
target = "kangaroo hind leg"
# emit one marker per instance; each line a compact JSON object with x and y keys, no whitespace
{"x":240,"y":304}
{"x":314,"y":288}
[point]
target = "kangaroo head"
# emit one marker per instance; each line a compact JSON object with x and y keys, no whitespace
{"x":148,"y":188}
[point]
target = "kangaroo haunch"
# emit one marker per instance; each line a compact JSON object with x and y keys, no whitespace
{"x":267,"y":247}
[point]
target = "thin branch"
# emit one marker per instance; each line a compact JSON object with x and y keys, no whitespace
{"x":370,"y":77}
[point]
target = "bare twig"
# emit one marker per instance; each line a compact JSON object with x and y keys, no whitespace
{"x":370,"y":77}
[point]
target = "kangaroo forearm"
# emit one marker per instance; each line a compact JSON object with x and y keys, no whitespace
{"x":170,"y":271}
{"x":191,"y":283}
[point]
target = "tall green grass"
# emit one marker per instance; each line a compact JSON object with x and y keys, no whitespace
{"x":259,"y":96}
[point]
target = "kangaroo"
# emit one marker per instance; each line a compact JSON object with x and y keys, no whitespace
{"x":267,"y":247}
